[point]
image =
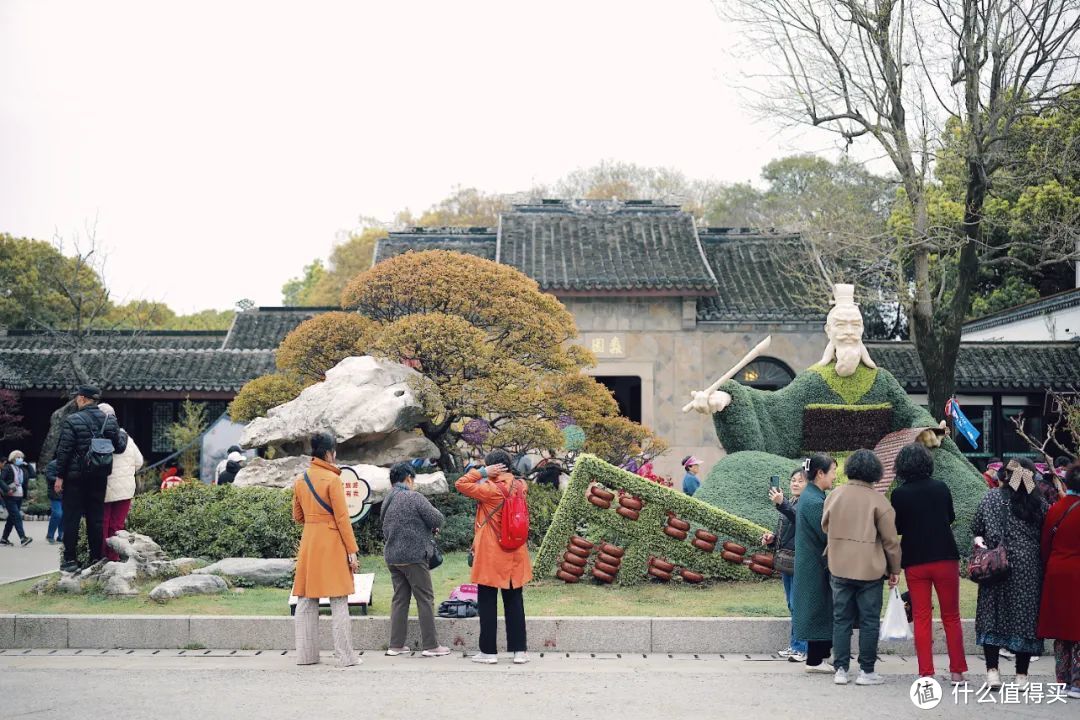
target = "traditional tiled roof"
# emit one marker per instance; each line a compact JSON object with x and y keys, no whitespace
{"x":266,"y":327}
{"x":760,"y":277}
{"x":1035,"y":308}
{"x":990,"y":365}
{"x":602,"y":247}
{"x":479,"y":241}
{"x":141,"y":340}
{"x":136,"y":370}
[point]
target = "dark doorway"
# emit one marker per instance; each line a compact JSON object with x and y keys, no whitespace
{"x":627,"y":392}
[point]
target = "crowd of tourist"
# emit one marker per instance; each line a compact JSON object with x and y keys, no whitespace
{"x":849,"y":542}
{"x":835,"y":549}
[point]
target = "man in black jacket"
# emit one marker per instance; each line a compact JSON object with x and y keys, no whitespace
{"x":83,"y":488}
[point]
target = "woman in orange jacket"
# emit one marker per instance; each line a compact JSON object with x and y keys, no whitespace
{"x":326,"y":560}
{"x":495,"y":569}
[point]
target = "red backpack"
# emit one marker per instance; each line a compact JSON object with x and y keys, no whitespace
{"x":514,"y":524}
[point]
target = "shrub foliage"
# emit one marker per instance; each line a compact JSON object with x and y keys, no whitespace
{"x":642,"y":538}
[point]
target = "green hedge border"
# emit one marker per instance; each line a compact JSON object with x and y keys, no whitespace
{"x":642,"y":538}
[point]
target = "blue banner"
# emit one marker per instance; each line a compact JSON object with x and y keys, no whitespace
{"x":962,"y":424}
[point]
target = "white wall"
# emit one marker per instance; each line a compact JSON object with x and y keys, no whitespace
{"x":1060,"y":325}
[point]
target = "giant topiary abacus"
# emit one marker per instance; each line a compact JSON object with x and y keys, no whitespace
{"x":652,"y":531}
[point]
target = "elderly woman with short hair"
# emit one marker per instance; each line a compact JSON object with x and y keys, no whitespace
{"x":326,"y":560}
{"x":409,"y":520}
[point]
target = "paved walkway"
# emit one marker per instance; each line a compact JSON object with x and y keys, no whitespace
{"x":109,"y":684}
{"x":38,"y":558}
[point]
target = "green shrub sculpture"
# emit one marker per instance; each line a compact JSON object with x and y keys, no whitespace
{"x":642,"y":539}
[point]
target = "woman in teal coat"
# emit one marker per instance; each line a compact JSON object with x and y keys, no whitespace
{"x":812,"y":595}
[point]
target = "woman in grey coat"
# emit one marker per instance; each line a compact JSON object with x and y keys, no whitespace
{"x":409,"y":521}
{"x":1007,"y":614}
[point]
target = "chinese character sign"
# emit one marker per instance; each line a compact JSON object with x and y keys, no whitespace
{"x":357,"y":494}
{"x":605,"y":346}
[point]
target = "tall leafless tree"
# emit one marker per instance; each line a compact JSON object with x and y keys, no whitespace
{"x":899,"y":73}
{"x":91,"y":344}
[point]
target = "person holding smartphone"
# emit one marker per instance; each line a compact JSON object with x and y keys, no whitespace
{"x":782,"y":543}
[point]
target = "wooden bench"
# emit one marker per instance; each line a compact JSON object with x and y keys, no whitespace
{"x":361,"y":595}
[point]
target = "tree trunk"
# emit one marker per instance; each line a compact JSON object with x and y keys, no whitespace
{"x":48,"y":448}
{"x":449,"y":459}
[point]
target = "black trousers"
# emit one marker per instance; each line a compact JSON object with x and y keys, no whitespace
{"x":513,"y":608}
{"x":992,"y":653}
{"x":84,"y":497}
{"x":817,"y":651}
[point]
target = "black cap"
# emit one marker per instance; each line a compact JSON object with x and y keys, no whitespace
{"x":88,"y":391}
{"x":235,"y":448}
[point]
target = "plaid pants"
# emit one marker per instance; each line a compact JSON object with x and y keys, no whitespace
{"x":307,"y":631}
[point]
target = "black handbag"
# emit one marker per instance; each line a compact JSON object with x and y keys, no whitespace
{"x":784,"y":561}
{"x":458,"y":609}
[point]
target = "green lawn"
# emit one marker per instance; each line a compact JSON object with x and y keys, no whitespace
{"x":746,"y":599}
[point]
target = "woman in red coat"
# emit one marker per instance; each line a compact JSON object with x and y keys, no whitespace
{"x":1058,"y":618}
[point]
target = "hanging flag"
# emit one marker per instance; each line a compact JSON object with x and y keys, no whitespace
{"x":961,"y":422}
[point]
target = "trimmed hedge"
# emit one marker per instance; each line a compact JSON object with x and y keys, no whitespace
{"x":762,"y":432}
{"x":642,"y":538}
{"x":218,"y":521}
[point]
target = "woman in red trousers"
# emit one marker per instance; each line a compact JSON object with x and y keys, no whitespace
{"x":924,"y":518}
{"x":1058,"y":618}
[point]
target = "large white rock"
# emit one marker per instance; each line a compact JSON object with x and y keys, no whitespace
{"x":278,"y":473}
{"x":188,"y":585}
{"x":283,"y":472}
{"x":361,"y":397}
{"x":256,"y":571}
{"x":396,"y":447}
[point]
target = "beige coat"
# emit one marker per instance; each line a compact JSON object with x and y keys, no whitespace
{"x":121,"y":482}
{"x":861,"y":525}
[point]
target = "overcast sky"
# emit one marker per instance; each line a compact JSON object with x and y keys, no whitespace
{"x":220,"y":146}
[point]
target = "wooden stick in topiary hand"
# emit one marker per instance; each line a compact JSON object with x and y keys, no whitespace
{"x":754,"y":354}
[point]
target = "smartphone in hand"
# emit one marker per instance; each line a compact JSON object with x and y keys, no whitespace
{"x":774,"y":482}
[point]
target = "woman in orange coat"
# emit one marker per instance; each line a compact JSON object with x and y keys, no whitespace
{"x":326,"y":560}
{"x":493,"y":567}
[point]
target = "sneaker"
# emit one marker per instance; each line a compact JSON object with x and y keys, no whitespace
{"x":50,"y":541}
{"x":958,"y":678}
{"x":520,"y":658}
{"x":436,"y":652}
{"x":485,"y":658}
{"x":393,"y":652}
{"x":822,"y":669}
{"x":26,"y":541}
{"x":1021,"y":682}
{"x":840,"y":678}
{"x":1073,"y":692}
{"x":786,"y":652}
{"x":5,"y":541}
{"x":69,"y":567}
{"x":871,"y":678}
{"x":1006,"y":654}
{"x":993,"y":679}
{"x":797,"y":657}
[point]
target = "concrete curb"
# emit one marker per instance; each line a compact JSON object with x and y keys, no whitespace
{"x":750,"y":636}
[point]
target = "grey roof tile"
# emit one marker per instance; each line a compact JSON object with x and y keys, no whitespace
{"x":760,"y":277}
{"x":598,"y":246}
{"x":134,"y":370}
{"x":990,"y":365}
{"x":265,"y":327}
{"x":477,"y":241}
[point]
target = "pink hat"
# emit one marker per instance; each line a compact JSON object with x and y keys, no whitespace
{"x":690,"y":461}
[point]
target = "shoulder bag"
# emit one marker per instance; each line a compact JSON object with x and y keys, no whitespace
{"x":472,"y":548}
{"x":435,"y":559}
{"x":990,"y":566}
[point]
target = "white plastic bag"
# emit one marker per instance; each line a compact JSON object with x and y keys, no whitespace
{"x":894,"y":626}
